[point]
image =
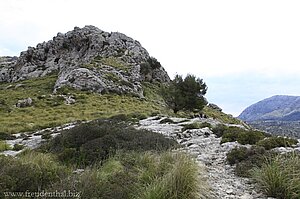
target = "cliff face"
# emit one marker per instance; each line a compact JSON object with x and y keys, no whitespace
{"x":277,"y":108}
{"x":87,"y":59}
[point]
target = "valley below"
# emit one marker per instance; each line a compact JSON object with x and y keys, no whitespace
{"x":283,"y":128}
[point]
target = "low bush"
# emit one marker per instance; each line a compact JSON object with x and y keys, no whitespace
{"x":6,"y":136}
{"x":121,"y":117}
{"x":273,"y":142}
{"x":46,"y":136}
{"x":219,"y":129}
{"x":30,"y":172}
{"x":246,"y":159}
{"x":4,"y":146}
{"x":18,"y":147}
{"x":108,"y":181}
{"x":236,"y":155}
{"x":132,"y":117}
{"x":279,"y":176}
{"x":179,"y":181}
{"x":205,"y":124}
{"x":196,"y":125}
{"x":96,"y":141}
{"x":139,"y":175}
{"x":242,"y":136}
{"x":167,"y":121}
{"x":138,"y":116}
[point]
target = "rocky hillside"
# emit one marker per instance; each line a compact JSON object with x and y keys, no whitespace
{"x":277,"y":108}
{"x":279,"y":115}
{"x":87,"y":59}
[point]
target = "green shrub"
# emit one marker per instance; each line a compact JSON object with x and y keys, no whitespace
{"x":6,"y":136}
{"x":106,"y":182}
{"x":30,"y":172}
{"x":251,"y":137}
{"x":179,"y":181}
{"x":135,"y":175}
{"x":18,"y":147}
{"x":242,"y":136}
{"x":4,"y":146}
{"x":219,"y":130}
{"x":166,"y":121}
{"x":239,"y":154}
{"x":96,"y":141}
{"x":150,"y":65}
{"x":246,"y":159}
{"x":120,"y":117}
{"x":273,"y":142}
{"x":46,"y":136}
{"x":138,"y":116}
{"x":279,"y":176}
{"x":204,"y":125}
{"x":255,"y":158}
{"x":196,"y":125}
{"x":236,"y":155}
{"x":132,"y":117}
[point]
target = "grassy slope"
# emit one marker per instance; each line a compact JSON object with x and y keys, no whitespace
{"x":49,"y":110}
{"x":222,"y":117}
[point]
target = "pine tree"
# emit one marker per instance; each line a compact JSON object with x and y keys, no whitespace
{"x":185,"y":94}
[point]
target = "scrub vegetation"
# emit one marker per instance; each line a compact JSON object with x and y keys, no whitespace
{"x":106,"y":158}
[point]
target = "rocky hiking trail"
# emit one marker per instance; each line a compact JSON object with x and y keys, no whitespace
{"x":201,"y":144}
{"x":205,"y":147}
{"x":33,"y":140}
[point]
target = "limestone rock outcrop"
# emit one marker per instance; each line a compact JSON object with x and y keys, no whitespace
{"x":87,"y":59}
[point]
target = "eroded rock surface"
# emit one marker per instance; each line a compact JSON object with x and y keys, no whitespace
{"x":34,"y":140}
{"x":87,"y":59}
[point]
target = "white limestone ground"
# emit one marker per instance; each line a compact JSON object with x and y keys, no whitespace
{"x":33,"y":140}
{"x":203,"y":145}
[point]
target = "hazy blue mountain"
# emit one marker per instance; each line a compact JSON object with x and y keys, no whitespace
{"x":276,"y":108}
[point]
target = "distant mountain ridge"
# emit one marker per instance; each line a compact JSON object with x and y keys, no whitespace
{"x":276,"y":108}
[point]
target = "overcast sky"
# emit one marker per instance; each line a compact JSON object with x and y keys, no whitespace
{"x":244,"y":50}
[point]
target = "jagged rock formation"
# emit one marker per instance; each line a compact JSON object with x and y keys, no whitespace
{"x":6,"y":67}
{"x":278,"y":108}
{"x":87,"y":59}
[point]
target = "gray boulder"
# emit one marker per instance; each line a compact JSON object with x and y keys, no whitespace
{"x":24,"y":103}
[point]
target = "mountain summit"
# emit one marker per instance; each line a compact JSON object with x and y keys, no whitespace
{"x":87,"y":59}
{"x":278,"y":107}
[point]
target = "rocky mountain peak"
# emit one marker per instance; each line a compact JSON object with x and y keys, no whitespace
{"x":88,"y":59}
